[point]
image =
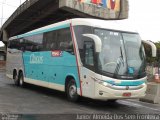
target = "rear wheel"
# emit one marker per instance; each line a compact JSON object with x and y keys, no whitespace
{"x":15,"y":78}
{"x":21,"y":80}
{"x":72,"y":91}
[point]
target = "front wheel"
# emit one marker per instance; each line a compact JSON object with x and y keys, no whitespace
{"x":72,"y":91}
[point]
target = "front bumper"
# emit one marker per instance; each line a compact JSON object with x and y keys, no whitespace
{"x":105,"y":93}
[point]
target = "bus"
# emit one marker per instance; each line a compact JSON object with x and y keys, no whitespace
{"x":92,"y":58}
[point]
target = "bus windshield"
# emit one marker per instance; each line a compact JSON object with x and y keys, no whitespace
{"x":122,"y":54}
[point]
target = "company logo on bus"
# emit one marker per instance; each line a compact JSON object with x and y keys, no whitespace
{"x":36,"y":59}
{"x":57,"y":53}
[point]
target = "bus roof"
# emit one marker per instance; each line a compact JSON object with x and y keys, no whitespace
{"x":118,"y":25}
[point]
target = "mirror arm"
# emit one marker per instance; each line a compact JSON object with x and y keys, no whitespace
{"x":97,"y":41}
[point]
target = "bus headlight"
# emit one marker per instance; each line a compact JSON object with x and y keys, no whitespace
{"x":104,"y":83}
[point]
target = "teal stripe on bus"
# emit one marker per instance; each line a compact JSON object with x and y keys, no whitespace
{"x":43,"y":31}
{"x":127,"y":83}
{"x":50,"y":69}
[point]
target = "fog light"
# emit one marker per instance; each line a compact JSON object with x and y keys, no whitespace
{"x":100,"y":93}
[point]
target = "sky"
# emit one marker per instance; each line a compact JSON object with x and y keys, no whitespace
{"x":143,"y":15}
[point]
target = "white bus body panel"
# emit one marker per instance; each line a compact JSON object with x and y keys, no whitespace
{"x":111,"y":93}
{"x":14,"y":62}
{"x":92,"y":89}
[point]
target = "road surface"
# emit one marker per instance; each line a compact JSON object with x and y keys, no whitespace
{"x":33,"y":102}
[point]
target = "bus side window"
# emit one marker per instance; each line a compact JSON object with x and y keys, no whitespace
{"x":28,"y":43}
{"x":15,"y":44}
{"x":65,"y":40}
{"x":33,"y":43}
{"x":50,"y":41}
{"x":79,"y":31}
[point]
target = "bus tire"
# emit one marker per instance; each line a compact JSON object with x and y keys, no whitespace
{"x":72,"y":91}
{"x":21,"y":80}
{"x":15,"y":78}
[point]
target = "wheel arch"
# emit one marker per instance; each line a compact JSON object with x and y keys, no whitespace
{"x":68,"y":78}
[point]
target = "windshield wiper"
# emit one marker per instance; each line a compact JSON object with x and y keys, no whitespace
{"x":119,"y":61}
{"x":121,"y":57}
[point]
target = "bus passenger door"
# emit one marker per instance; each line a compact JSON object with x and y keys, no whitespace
{"x":87,"y":71}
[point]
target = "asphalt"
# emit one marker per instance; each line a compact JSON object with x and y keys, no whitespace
{"x":33,"y":102}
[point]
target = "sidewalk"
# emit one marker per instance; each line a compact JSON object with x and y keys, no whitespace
{"x":144,"y":103}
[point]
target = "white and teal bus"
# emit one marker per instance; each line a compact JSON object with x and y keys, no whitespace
{"x":83,"y":57}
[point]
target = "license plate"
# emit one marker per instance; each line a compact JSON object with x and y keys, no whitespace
{"x":127,"y":94}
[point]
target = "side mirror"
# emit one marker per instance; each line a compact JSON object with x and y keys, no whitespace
{"x":96,"y":40}
{"x":153,"y":47}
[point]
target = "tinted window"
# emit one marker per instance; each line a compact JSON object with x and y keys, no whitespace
{"x":50,"y":41}
{"x":14,"y":44}
{"x":65,"y":40}
{"x":54,"y":40}
{"x":34,"y":43}
{"x":79,"y":31}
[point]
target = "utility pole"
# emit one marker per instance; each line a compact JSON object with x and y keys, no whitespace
{"x":2,"y":13}
{"x":2,"y":16}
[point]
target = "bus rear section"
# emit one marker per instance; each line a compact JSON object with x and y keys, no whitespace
{"x":14,"y":64}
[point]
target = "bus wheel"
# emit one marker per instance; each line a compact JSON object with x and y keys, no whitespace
{"x":15,"y":78}
{"x":72,"y":91}
{"x":21,"y":80}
